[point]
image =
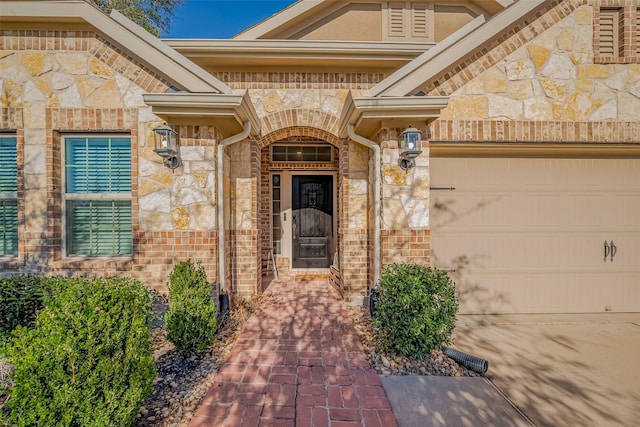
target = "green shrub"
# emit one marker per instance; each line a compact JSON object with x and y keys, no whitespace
{"x":191,"y":316}
{"x":415,"y":309}
{"x":20,"y":299}
{"x":88,"y":360}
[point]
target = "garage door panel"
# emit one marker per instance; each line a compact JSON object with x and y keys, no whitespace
{"x":527,"y":235}
{"x":536,"y":293}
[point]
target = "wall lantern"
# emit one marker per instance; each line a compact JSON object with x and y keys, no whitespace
{"x":411,"y":147}
{"x":167,"y":145}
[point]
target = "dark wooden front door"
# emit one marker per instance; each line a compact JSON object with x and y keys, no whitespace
{"x":312,"y":221}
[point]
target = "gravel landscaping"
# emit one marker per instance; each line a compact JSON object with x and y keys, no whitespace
{"x":182,"y":382}
{"x":386,"y":364}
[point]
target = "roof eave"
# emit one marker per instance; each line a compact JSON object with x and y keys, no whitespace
{"x":370,"y":114}
{"x":181,"y":71}
{"x":227,"y":112}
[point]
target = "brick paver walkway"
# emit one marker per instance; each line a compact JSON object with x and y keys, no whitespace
{"x":298,"y":362}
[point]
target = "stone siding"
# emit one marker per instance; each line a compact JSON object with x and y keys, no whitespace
{"x":542,"y":84}
{"x":56,"y":82}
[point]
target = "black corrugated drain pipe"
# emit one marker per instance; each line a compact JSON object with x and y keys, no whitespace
{"x":474,"y":363}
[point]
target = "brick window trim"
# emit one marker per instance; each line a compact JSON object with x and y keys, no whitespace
{"x":62,"y":122}
{"x":627,"y":33}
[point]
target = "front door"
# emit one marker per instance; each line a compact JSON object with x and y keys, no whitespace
{"x":312,"y":221}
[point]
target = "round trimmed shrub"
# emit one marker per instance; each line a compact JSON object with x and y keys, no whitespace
{"x":88,"y":360}
{"x":191,"y":315}
{"x":415,"y":309}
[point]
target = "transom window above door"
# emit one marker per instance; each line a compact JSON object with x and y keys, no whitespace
{"x":301,"y":153}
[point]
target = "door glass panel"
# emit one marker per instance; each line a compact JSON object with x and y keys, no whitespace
{"x":276,"y":230}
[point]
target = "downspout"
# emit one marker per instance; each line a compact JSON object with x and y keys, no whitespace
{"x":376,"y":199}
{"x":221,"y":231}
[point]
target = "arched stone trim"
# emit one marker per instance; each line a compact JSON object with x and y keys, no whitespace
{"x":300,"y":122}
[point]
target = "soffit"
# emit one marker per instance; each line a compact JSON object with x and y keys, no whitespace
{"x":185,"y":74}
{"x":227,"y":112}
{"x":370,"y":114}
{"x":297,"y":54}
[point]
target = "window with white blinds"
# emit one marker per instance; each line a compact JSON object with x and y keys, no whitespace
{"x":98,"y":195}
{"x":8,"y":196}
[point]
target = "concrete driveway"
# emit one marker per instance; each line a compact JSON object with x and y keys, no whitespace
{"x":561,"y":370}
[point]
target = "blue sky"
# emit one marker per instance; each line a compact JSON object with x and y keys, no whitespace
{"x":220,"y":19}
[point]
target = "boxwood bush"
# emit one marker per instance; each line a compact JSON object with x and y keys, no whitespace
{"x":191,"y":315}
{"x":88,"y":360}
{"x":20,"y":299}
{"x":415,"y":309}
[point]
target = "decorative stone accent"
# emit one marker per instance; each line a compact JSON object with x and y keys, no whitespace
{"x":148,"y":186}
{"x":37,"y":63}
{"x":180,"y":218}
{"x":539,"y":55}
{"x":99,"y":69}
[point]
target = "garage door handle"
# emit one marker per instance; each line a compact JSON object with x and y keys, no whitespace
{"x":610,"y":250}
{"x":614,"y":250}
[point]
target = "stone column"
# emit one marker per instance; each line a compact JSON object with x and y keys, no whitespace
{"x":355,"y":263}
{"x":405,"y":204}
{"x":244,"y":175}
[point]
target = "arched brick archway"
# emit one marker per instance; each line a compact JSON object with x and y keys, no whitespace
{"x":294,"y":125}
{"x":299,"y":122}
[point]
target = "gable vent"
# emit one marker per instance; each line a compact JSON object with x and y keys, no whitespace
{"x":396,"y":19}
{"x":608,"y":32}
{"x":420,"y":23}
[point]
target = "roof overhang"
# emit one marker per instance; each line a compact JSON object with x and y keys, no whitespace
{"x":240,"y":54}
{"x":369,"y":115}
{"x":227,"y":112}
{"x":182,"y":72}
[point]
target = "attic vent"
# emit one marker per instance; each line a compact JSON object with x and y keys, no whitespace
{"x":420,"y":24}
{"x":396,"y":19}
{"x":408,"y":20}
{"x":609,"y":34}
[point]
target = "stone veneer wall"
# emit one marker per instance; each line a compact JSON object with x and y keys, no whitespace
{"x":54,"y":82}
{"x":544,"y":83}
{"x":405,"y":230}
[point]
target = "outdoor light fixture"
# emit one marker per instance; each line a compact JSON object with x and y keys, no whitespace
{"x":411,"y":147}
{"x":167,"y":145}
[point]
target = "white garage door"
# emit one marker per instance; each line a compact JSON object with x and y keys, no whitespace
{"x":528,"y":235}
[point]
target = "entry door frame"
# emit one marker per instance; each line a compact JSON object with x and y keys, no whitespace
{"x":286,"y":212}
